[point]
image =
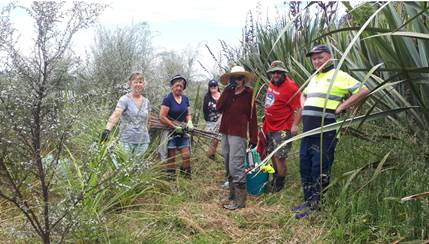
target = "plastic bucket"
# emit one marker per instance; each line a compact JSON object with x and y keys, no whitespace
{"x":256,"y":182}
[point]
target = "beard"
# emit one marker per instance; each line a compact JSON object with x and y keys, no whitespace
{"x":278,"y":81}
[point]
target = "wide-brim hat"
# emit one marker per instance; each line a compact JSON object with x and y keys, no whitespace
{"x":277,"y":65}
{"x":237,"y":71}
{"x":318,"y":49}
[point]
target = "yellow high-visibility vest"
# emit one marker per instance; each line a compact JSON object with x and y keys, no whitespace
{"x":317,"y":90}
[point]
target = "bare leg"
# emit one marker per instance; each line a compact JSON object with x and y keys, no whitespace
{"x":280,"y":166}
{"x":186,"y":158}
{"x":171,"y":164}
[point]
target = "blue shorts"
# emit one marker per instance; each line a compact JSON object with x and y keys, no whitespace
{"x":178,"y":142}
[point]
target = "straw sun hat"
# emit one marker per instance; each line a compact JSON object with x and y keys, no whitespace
{"x":237,"y":71}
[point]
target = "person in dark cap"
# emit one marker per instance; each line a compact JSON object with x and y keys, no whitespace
{"x":175,"y":113}
{"x":281,"y":118}
{"x":211,"y":115}
{"x":323,"y":99}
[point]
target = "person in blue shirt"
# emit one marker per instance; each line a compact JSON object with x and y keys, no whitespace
{"x":176,"y":114}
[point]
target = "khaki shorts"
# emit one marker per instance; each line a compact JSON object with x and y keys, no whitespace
{"x":274,"y":139}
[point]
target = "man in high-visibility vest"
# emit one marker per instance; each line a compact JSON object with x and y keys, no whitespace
{"x":325,"y":96}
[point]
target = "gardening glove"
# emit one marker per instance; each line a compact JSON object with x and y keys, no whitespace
{"x":104,"y":135}
{"x":178,"y":129}
{"x":190,"y":126}
{"x":268,"y":169}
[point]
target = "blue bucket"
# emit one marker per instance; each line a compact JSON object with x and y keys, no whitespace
{"x":256,"y":182}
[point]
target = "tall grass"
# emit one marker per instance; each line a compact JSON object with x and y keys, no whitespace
{"x":394,"y":65}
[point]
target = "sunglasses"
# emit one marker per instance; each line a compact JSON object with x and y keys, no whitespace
{"x":235,"y":78}
{"x":277,"y":72}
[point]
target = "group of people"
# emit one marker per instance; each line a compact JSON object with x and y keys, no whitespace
{"x":233,"y":114}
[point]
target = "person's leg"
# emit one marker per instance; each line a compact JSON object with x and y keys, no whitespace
{"x":279,"y":158}
{"x":321,"y":167}
{"x":186,"y":162}
{"x":305,"y":164}
{"x":170,"y":166}
{"x":225,"y":154}
{"x":237,"y":154}
{"x":211,"y":152}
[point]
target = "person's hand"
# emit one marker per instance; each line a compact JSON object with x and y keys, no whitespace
{"x":251,"y":145}
{"x":178,"y":129}
{"x":231,"y":85}
{"x":104,"y":135}
{"x":340,"y":110}
{"x":294,"y":130}
{"x":190,"y":126}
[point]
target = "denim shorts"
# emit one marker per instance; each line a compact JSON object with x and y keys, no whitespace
{"x":178,"y":142}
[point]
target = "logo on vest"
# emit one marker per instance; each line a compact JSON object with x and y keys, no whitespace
{"x":269,"y":100}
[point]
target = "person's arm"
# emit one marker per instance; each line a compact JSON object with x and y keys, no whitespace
{"x":114,"y":118}
{"x":225,"y":100}
{"x":296,"y":121}
{"x":189,"y":115}
{"x":163,"y":116}
{"x":296,"y":106}
{"x":356,"y":98}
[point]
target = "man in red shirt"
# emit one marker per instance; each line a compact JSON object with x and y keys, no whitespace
{"x":281,"y":118}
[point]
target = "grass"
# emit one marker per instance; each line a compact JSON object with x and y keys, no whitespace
{"x":183,"y":211}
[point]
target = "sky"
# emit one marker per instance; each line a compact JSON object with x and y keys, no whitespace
{"x":176,"y":24}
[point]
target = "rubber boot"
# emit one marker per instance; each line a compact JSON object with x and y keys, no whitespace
{"x":241,"y":196}
{"x":186,"y":172}
{"x":278,"y":183}
{"x":232,"y":195}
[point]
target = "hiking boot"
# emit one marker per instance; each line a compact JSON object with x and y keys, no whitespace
{"x":312,"y":207}
{"x":241,"y":196}
{"x":300,"y":207}
{"x":304,"y":214}
{"x":186,"y":172}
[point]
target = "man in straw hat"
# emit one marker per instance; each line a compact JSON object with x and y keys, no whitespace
{"x":281,"y":118}
{"x":324,"y":98}
{"x":238,"y":119}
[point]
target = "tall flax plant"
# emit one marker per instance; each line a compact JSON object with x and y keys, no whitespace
{"x":388,"y":52}
{"x":288,"y":44}
{"x":399,"y":40}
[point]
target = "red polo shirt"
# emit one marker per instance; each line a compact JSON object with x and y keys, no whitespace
{"x":280,"y":104}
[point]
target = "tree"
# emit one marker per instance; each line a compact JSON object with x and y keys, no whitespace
{"x":116,"y":53}
{"x":32,"y":102}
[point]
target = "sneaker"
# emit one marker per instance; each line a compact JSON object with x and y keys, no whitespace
{"x":225,"y":185}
